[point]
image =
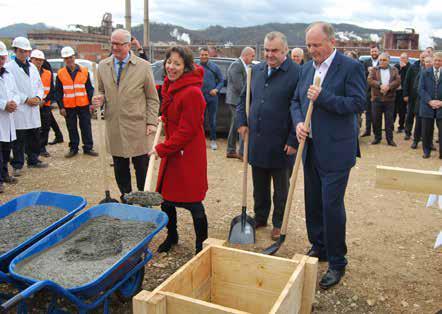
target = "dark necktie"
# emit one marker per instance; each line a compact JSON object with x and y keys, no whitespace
{"x":436,"y":81}
{"x":120,"y":69}
{"x":272,"y":70}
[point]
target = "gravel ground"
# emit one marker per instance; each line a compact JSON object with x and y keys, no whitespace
{"x":393,"y":267}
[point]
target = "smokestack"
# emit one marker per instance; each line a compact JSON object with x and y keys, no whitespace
{"x":128,"y":17}
{"x":146,"y":35}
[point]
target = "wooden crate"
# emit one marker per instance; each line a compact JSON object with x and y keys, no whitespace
{"x":222,"y":280}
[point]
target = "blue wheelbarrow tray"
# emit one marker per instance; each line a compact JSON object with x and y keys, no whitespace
{"x":69,"y":203}
{"x":123,"y":276}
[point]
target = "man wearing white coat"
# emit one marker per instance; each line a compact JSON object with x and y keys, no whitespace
{"x":8,"y":104}
{"x":27,"y":117}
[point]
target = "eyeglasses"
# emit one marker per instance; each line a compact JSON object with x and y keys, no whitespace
{"x":118,"y":44}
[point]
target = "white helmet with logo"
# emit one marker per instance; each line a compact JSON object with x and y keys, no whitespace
{"x":22,"y":43}
{"x":67,"y":52}
{"x":3,"y":50}
{"x":37,"y":54}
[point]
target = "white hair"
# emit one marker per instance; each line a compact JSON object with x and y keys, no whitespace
{"x":124,"y":33}
{"x":247,"y":50}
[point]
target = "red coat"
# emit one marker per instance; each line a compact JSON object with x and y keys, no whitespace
{"x":183,"y":170}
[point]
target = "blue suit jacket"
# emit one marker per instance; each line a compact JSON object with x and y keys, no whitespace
{"x":426,"y":93}
{"x":334,"y":119}
{"x":269,"y":122}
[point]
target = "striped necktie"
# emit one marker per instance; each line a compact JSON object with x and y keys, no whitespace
{"x":120,"y":69}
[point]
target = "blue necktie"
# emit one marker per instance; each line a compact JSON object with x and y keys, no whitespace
{"x":120,"y":69}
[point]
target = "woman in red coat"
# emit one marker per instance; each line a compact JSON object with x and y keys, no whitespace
{"x":182,"y":179}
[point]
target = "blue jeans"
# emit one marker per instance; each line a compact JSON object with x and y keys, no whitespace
{"x":211,"y":109}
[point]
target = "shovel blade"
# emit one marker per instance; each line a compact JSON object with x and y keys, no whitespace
{"x":242,"y":230}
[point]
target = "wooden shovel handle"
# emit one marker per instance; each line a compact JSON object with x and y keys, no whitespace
{"x":246,"y":141}
{"x":298,"y":159}
{"x":152,"y":160}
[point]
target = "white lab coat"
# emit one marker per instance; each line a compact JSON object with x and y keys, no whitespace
{"x":26,"y":117}
{"x":8,"y":92}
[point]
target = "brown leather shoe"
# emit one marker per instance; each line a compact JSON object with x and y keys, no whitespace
{"x":276,"y":233}
{"x":259,"y":224}
{"x":232,"y":155}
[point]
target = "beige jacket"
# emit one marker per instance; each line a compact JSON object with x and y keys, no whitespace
{"x":129,"y":107}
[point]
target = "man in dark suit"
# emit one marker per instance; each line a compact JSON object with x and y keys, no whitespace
{"x":272,"y":138}
{"x":236,"y":80}
{"x":331,"y":143}
{"x":368,"y":64}
{"x":400,"y":107}
{"x":430,"y":93}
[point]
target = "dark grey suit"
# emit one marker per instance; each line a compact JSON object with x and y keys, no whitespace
{"x":236,"y":80}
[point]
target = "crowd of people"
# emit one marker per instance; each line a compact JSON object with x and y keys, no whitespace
{"x":280,"y":92}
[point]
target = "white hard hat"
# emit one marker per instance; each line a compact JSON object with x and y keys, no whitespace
{"x":67,"y":52}
{"x":38,"y":54}
{"x":3,"y":50}
{"x":22,"y":43}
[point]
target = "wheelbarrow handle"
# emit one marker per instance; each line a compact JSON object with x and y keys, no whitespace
{"x":28,"y":292}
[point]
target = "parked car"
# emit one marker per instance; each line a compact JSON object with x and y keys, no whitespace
{"x":223,"y":114}
{"x":393,"y":59}
{"x":57,"y":64}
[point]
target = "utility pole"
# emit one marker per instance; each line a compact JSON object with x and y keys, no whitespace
{"x":128,"y":17}
{"x":146,"y":36}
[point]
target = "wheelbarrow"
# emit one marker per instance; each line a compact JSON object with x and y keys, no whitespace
{"x":69,"y":203}
{"x":124,"y":277}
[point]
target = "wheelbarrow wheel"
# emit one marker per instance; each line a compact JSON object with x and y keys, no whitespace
{"x":131,"y":287}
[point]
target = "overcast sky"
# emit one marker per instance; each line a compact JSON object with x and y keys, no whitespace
{"x":423,"y":15}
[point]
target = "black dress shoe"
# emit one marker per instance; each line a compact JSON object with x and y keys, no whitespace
{"x":91,"y":153}
{"x":392,"y":143}
{"x":426,"y":155}
{"x":331,"y":278}
{"x":375,"y":142}
{"x":365,"y":134}
{"x":56,"y":141}
{"x":433,"y":148}
{"x":315,"y":253}
{"x":71,"y":153}
{"x":407,"y":137}
{"x":39,"y":165}
{"x":414,"y":145}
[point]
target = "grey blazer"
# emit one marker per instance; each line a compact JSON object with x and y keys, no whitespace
{"x":236,"y":80}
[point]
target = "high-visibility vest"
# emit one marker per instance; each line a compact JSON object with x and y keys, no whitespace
{"x":74,"y":92}
{"x":46,"y":80}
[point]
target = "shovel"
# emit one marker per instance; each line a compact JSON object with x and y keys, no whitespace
{"x":242,"y":227}
{"x":147,"y":198}
{"x":275,"y":246}
{"x":102,"y":140}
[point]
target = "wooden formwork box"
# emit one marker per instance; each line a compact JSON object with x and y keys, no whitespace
{"x":221,"y":280}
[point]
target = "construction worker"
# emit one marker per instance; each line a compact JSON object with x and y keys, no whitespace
{"x":9,"y":98}
{"x":38,"y":58}
{"x":74,"y":92}
{"x":27,"y":117}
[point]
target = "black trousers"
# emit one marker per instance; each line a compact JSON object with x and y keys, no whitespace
{"x":261,"y":193}
{"x":56,"y":128}
{"x":83,"y":116}
{"x":417,"y":134}
{"x":46,"y":120}
{"x":400,"y":109}
{"x":28,"y":141}
{"x":428,"y":132}
{"x":368,"y":115}
{"x":122,"y":172}
{"x":409,"y":118}
{"x":380,"y":108}
{"x":5,"y":152}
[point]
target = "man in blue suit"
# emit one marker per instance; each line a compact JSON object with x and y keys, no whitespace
{"x":430,"y":93}
{"x":331,"y":143}
{"x":272,"y":138}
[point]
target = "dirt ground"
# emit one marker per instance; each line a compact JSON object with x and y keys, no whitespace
{"x":392,"y":268}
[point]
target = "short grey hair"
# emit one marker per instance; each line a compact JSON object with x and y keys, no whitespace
{"x":385,"y":54}
{"x":298,"y":50}
{"x":274,"y":35}
{"x":125,"y":33}
{"x":404,"y":54}
{"x":437,"y":55}
{"x":326,"y":28}
{"x":247,"y":50}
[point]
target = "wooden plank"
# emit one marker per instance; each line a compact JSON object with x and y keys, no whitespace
{"x":242,"y":297}
{"x":147,"y":302}
{"x":250,"y":270}
{"x":411,"y":180}
{"x":310,"y":278}
{"x":213,"y":241}
{"x":178,"y":304}
{"x":289,"y":302}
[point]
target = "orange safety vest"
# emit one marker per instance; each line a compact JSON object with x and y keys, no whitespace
{"x":46,"y":80}
{"x":74,"y":92}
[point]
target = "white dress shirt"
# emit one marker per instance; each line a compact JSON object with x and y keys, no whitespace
{"x":385,"y":76}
